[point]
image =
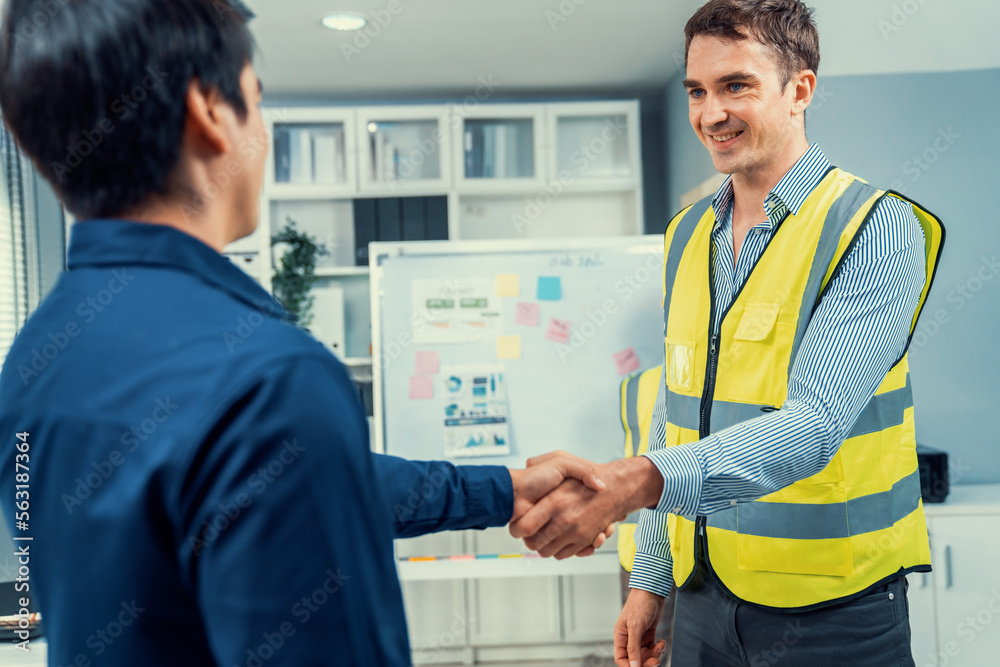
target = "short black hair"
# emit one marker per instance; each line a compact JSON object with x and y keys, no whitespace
{"x":94,"y":90}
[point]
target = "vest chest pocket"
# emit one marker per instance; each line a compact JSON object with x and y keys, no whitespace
{"x":754,"y":350}
{"x":757,"y":322}
{"x":680,"y":364}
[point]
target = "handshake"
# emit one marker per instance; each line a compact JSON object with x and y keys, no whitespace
{"x":567,"y":506}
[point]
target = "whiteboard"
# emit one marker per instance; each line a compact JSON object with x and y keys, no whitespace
{"x":559,"y":395}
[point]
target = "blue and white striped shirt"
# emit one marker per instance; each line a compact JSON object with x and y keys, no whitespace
{"x":857,"y":333}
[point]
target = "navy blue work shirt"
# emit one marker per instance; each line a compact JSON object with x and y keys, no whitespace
{"x":201,"y":491}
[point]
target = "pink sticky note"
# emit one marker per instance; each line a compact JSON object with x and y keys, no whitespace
{"x":626,"y":361}
{"x":527,"y":314}
{"x":559,"y":330}
{"x":421,"y":387}
{"x":427,"y":363}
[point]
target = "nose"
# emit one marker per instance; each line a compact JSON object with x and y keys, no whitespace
{"x":713,"y":111}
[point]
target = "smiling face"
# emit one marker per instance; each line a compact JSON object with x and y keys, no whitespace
{"x":738,"y":109}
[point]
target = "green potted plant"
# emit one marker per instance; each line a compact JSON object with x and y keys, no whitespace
{"x":294,"y":256}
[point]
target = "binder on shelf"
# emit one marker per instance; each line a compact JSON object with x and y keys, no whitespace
{"x":469,"y":164}
{"x":282,"y":159}
{"x":389,"y":161}
{"x":437,"y":218}
{"x":387,"y":220}
{"x":477,"y":152}
{"x":414,"y":216}
{"x":326,"y":152}
{"x":502,"y":134}
{"x":364,"y":229}
{"x":383,"y":158}
{"x":489,"y":154}
{"x":300,"y":156}
{"x":340,"y":155}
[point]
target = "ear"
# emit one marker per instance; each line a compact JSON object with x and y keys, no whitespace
{"x":803,"y":86}
{"x":204,"y":122}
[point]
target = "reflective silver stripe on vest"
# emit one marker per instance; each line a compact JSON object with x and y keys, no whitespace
{"x":685,"y":230}
{"x":837,"y":218}
{"x":684,"y":411}
{"x":632,"y":410}
{"x":796,"y":521}
{"x":882,"y":412}
{"x":725,"y":414}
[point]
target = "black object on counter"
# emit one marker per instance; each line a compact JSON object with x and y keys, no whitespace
{"x":933,"y":465}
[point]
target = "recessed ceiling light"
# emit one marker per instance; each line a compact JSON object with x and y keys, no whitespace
{"x":344,"y":21}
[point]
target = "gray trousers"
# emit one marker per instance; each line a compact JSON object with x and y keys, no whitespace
{"x":711,"y":629}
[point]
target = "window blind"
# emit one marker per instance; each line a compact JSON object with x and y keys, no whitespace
{"x":15,"y":213}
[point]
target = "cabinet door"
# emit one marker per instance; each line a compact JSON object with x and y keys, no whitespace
{"x":967,"y":588}
{"x":511,"y":610}
{"x":312,"y":153}
{"x":498,"y":148}
{"x":923,"y":629}
{"x":591,"y":605}
{"x":404,"y":149}
{"x":436,"y":615}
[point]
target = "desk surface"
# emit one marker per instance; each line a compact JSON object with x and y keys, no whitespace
{"x":10,"y":656}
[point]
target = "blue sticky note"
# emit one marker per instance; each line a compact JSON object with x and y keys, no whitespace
{"x":549,"y":289}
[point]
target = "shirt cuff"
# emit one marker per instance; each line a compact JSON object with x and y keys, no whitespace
{"x":683,"y":478}
{"x":490,"y":494}
{"x":652,"y":573}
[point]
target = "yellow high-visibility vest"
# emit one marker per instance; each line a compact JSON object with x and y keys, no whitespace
{"x":639,"y":392}
{"x":860,"y":520}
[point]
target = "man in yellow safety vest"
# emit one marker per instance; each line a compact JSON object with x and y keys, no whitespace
{"x":781,"y":489}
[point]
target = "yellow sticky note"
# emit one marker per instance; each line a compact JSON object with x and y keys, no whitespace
{"x":508,"y":284}
{"x":508,"y":347}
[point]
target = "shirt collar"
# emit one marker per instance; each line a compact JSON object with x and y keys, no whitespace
{"x":788,"y":195}
{"x":102,"y":242}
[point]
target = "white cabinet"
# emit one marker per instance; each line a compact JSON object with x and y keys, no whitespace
{"x":961,"y":600}
{"x":923,"y":626}
{"x":596,"y":145}
{"x":404,"y":149}
{"x":351,"y":175}
{"x":499,"y":148}
{"x":514,"y":609}
{"x":436,"y":614}
{"x":313,"y":153}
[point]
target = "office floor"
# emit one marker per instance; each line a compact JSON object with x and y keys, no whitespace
{"x":12,"y":657}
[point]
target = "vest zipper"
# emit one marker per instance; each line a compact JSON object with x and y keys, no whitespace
{"x":706,"y":401}
{"x":713,"y":356}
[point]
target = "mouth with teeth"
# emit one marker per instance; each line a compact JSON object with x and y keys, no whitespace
{"x":725,"y":140}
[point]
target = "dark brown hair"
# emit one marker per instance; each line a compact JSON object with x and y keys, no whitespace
{"x":94,"y":90}
{"x":784,"y":25}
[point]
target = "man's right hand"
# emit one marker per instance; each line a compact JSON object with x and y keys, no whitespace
{"x":568,"y":519}
{"x":635,"y":631}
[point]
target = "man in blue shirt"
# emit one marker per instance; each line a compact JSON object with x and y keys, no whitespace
{"x":193,"y":500}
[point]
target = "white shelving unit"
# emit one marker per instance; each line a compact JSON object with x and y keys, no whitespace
{"x":404,"y":150}
{"x":954,"y":609}
{"x":505,"y":171}
{"x":323,"y":160}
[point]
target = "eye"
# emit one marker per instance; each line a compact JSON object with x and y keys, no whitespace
{"x":736,"y":87}
{"x":696,"y":93}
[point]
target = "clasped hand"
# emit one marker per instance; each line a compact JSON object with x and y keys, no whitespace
{"x":567,"y":506}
